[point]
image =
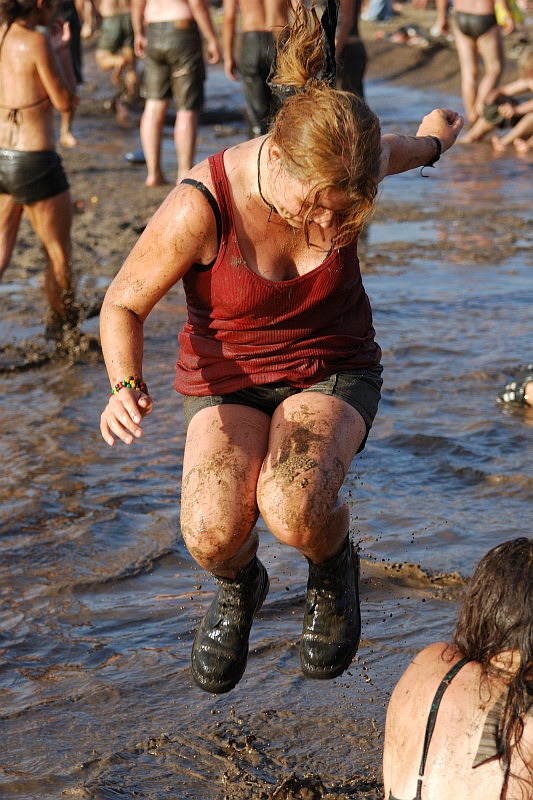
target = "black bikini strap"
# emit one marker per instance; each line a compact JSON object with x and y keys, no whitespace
{"x":432,"y":718}
{"x":212,"y":202}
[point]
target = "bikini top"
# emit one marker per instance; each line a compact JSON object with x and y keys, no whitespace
{"x":430,"y":726}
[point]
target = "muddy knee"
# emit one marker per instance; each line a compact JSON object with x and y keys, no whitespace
{"x":298,"y":500}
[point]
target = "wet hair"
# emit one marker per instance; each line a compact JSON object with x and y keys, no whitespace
{"x":10,"y":10}
{"x":326,"y":137}
{"x":497,"y":616}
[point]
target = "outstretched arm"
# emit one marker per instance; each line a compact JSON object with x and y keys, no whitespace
{"x":402,"y":153}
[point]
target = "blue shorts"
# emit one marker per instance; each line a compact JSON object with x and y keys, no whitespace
{"x":359,"y":388}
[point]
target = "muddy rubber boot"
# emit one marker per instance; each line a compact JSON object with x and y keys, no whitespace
{"x":220,"y":647}
{"x":332,"y":621}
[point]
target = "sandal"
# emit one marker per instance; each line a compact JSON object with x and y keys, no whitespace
{"x":514,"y":392}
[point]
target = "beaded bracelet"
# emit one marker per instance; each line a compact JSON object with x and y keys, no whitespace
{"x":133,"y":382}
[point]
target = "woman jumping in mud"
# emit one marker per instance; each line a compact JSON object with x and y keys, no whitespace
{"x":278,"y":363}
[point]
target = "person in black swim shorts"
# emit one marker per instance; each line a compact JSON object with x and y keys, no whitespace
{"x":477,"y":37}
{"x":32,"y":178}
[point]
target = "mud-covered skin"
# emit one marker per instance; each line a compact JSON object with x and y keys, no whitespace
{"x":239,"y":463}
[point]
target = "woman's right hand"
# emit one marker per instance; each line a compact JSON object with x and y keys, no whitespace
{"x":122,"y":416}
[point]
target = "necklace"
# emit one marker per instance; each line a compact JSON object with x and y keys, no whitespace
{"x":270,"y":207}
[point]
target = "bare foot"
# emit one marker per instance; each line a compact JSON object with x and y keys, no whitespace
{"x":67,"y":139}
{"x":156,"y":180}
{"x":497,"y":145}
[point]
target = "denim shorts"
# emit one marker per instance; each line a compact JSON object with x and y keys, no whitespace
{"x":360,"y":388}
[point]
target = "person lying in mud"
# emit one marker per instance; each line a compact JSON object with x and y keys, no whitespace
{"x":505,"y":108}
{"x":278,"y":364}
{"x":34,"y":70}
{"x":460,"y":720}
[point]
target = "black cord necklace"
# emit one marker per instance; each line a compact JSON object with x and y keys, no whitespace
{"x":270,"y":207}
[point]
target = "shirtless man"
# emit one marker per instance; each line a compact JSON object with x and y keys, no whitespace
{"x":114,"y":51}
{"x":167,"y":36}
{"x":477,"y":35}
{"x":261,"y":22}
{"x":33,"y":81}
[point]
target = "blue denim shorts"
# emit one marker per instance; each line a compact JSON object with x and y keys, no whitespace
{"x":360,"y":388}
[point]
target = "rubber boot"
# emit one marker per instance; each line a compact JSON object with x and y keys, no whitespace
{"x":332,"y":621}
{"x":220,"y":647}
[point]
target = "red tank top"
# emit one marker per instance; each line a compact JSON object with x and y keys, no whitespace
{"x":243,"y":330}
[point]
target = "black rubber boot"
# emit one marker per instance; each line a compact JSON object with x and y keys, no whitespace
{"x":332,"y":622}
{"x":220,"y":647}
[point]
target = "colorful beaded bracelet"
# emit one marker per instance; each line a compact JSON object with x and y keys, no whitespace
{"x":133,"y":382}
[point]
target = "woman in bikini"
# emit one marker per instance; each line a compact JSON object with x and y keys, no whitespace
{"x":278,"y":364}
{"x":34,"y":70}
{"x":460,"y":720}
{"x":477,"y":36}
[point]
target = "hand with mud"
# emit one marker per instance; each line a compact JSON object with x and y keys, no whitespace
{"x":443,"y":123}
{"x":122,"y":416}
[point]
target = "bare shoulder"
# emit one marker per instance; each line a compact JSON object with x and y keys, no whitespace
{"x":426,"y":669}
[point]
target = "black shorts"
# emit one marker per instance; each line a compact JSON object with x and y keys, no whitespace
{"x":30,"y":176}
{"x":359,"y":388}
{"x":474,"y":25}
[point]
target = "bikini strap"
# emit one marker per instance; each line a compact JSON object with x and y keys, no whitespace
{"x":216,"y":211}
{"x":432,"y":718}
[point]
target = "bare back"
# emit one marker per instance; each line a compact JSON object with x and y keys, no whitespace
{"x":460,"y":721}
{"x":112,"y":8}
{"x":263,"y":15}
{"x":30,"y":85}
{"x":166,"y":11}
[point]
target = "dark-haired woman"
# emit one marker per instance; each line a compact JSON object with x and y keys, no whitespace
{"x":278,"y":363}
{"x":33,"y":81}
{"x":460,"y":720}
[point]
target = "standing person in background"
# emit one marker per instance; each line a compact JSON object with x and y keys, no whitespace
{"x":114,"y":51}
{"x":350,"y":50}
{"x":278,"y":362}
{"x":168,"y":38}
{"x":67,"y":11}
{"x":261,"y":22}
{"x":460,"y":720}
{"x":477,"y":36}
{"x":34,"y":79}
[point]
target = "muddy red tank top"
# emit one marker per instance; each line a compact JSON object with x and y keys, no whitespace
{"x":243,"y":330}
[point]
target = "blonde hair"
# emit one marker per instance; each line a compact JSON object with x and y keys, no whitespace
{"x":326,"y":137}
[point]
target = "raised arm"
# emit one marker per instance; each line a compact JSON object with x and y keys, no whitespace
{"x":182,"y":232}
{"x":402,"y":153}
